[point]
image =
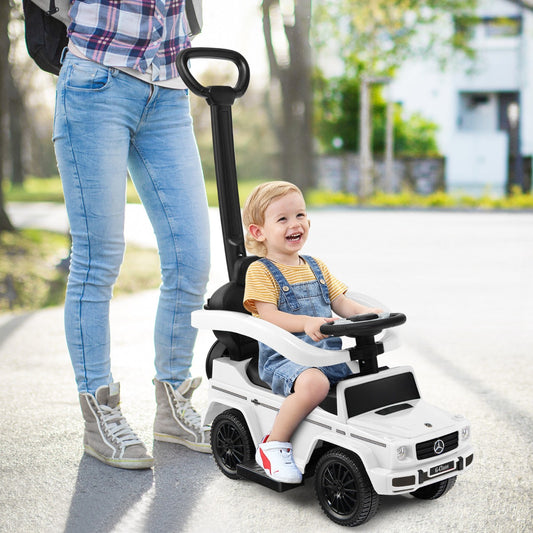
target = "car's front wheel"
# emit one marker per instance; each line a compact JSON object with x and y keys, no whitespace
{"x":435,"y":490}
{"x":343,"y":488}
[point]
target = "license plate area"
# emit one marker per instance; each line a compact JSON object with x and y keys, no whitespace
{"x":442,"y":469}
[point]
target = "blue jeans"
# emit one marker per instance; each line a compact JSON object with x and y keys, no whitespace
{"x":105,"y":123}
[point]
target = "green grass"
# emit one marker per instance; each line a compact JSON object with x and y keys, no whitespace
{"x":49,"y":190}
{"x":30,"y":278}
{"x":408,"y":199}
{"x":35,"y":190}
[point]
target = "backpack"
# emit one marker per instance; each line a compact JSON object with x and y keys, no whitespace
{"x":46,"y":23}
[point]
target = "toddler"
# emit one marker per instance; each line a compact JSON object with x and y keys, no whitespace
{"x":297,"y":293}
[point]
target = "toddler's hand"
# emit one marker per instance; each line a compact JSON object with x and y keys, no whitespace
{"x":312,"y":327}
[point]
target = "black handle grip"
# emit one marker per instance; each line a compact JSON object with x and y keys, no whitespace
{"x":212,"y":53}
{"x":368,"y":324}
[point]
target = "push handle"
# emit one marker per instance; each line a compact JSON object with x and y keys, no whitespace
{"x":195,"y":86}
{"x":220,"y":99}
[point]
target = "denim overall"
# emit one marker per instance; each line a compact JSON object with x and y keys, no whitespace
{"x":306,"y":298}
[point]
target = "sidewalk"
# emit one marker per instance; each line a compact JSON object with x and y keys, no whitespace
{"x":465,"y":284}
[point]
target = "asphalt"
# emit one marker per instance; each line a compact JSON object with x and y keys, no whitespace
{"x":465,"y":282}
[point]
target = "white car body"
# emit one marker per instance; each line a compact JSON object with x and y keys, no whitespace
{"x":384,"y":437}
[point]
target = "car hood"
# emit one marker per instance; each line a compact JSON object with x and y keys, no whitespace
{"x":420,"y":421}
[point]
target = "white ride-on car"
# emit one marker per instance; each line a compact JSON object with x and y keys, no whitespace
{"x":373,"y":435}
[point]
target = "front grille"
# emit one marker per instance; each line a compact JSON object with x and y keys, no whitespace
{"x":425,"y":450}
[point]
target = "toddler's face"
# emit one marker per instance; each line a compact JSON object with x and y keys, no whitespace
{"x":286,"y":227}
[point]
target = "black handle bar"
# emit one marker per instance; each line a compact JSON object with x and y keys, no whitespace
{"x":212,"y":53}
{"x":220,"y":99}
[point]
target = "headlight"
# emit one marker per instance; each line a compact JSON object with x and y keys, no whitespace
{"x":465,"y":433}
{"x":401,"y":453}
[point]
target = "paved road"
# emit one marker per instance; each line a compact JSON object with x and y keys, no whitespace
{"x":465,"y":282}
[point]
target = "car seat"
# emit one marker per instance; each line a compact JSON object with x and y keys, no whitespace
{"x":239,"y":347}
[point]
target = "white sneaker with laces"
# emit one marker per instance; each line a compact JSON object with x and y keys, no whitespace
{"x":277,"y":461}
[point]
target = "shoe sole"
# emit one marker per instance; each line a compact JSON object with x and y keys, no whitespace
{"x":127,"y":464}
{"x":197,"y":447}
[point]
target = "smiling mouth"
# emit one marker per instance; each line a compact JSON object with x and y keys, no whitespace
{"x":294,"y":237}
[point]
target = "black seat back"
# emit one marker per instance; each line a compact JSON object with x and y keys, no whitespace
{"x":229,"y":298}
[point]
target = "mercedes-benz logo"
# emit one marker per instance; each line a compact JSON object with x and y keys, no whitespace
{"x":438,"y":447}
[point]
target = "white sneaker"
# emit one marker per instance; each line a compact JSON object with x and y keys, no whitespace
{"x":277,"y":461}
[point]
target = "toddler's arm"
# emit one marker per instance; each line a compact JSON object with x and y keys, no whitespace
{"x":345,"y":307}
{"x":292,"y":323}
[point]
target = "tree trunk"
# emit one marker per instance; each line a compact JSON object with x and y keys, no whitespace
{"x":5,"y":223}
{"x":295,"y":130}
{"x":16,"y":118}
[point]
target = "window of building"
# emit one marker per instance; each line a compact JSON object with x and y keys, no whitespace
{"x":481,"y":28}
{"x":502,"y":27}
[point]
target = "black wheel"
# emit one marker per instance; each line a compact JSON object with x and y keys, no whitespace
{"x":435,"y":490}
{"x":343,"y":488}
{"x":231,"y":442}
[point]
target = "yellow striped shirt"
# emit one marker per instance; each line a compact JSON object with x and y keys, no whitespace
{"x":261,"y":285}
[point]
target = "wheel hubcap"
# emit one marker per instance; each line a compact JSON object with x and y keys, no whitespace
{"x":229,"y":446}
{"x":340,"y":489}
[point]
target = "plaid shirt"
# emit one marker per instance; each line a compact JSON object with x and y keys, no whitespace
{"x":132,"y":33}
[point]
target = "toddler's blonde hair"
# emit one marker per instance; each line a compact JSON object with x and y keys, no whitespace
{"x":256,"y":205}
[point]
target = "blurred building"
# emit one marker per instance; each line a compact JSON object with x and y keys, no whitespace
{"x":484,"y":109}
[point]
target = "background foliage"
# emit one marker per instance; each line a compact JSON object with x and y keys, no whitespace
{"x":337,"y":120}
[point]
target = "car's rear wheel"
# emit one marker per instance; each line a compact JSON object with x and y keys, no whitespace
{"x":231,"y":442}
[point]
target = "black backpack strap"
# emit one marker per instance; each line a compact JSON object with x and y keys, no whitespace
{"x":53,"y":9}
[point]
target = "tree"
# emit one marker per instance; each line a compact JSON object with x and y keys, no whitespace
{"x":337,"y":115}
{"x":379,"y":35}
{"x":30,"y":93}
{"x":5,"y":223}
{"x":16,"y":110}
{"x":374,"y":37}
{"x":16,"y":113}
{"x":292,"y":68}
{"x":528,"y":4}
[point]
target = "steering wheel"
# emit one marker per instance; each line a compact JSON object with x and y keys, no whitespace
{"x":365,"y":325}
